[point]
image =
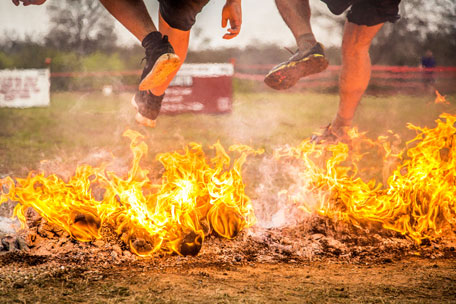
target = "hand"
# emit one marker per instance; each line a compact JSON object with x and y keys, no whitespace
{"x":232,"y":11}
{"x":28,"y":2}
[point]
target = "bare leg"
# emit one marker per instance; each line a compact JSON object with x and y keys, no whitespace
{"x":356,"y":70}
{"x":179,"y":40}
{"x":132,"y":14}
{"x":296,"y":14}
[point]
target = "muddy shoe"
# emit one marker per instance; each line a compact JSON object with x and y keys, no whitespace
{"x":148,"y":106}
{"x":301,"y":64}
{"x":332,"y":136}
{"x":161,"y":61}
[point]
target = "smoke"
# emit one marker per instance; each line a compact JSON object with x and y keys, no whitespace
{"x":280,"y":184}
{"x":65,"y":165}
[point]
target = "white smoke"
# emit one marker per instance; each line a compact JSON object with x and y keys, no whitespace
{"x":281,"y":187}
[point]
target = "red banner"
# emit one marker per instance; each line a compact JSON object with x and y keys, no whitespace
{"x":200,"y":88}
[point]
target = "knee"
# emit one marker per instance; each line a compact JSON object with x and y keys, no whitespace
{"x":357,"y":39}
{"x":353,"y":48}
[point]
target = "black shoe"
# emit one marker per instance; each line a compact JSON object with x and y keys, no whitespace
{"x":301,"y":64}
{"x":337,"y":7}
{"x":332,"y":135}
{"x":148,"y":106}
{"x":161,"y":61}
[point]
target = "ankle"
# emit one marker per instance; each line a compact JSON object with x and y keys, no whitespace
{"x":340,"y":122}
{"x":306,"y":41}
{"x":153,"y":38}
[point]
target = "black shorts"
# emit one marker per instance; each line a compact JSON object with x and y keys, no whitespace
{"x":181,"y":14}
{"x":371,"y":12}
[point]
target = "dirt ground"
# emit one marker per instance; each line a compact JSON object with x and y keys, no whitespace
{"x":411,"y":280}
{"x":317,"y":261}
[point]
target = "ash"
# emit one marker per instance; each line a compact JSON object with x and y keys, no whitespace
{"x":315,"y":238}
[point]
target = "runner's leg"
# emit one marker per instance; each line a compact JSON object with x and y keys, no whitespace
{"x":356,"y":70}
{"x":179,"y":40}
{"x":296,"y":14}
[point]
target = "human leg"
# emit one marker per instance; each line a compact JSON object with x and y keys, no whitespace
{"x":309,"y":59}
{"x":356,"y":70}
{"x":364,"y":20}
{"x":179,"y":40}
{"x":175,"y":21}
{"x":296,"y":14}
{"x":353,"y":80}
{"x":161,"y":60}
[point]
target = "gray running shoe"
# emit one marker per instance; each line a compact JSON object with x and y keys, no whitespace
{"x":301,"y":64}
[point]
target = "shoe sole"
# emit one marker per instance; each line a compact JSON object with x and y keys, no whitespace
{"x":162,"y":70}
{"x":286,"y":76}
{"x":141,"y":119}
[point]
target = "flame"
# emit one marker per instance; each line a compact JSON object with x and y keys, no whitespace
{"x":200,"y":195}
{"x":419,"y":197}
{"x":196,"y":196}
{"x":440,"y":99}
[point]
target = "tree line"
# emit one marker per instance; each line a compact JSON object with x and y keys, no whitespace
{"x":82,"y":38}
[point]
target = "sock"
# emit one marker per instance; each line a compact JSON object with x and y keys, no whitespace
{"x":306,"y":41}
{"x":153,"y":38}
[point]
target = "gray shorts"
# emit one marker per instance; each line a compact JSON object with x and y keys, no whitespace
{"x":181,"y":14}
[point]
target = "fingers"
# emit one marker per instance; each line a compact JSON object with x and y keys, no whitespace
{"x":232,"y":13}
{"x":235,"y":24}
{"x":232,"y":32}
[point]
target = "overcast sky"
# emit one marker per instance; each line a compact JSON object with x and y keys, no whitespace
{"x":261,"y":22}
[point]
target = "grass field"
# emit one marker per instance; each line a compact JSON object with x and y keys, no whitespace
{"x":78,"y":124}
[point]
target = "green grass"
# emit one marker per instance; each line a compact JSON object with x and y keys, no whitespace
{"x":78,"y":124}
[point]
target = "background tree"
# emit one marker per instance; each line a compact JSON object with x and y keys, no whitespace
{"x":423,"y":25}
{"x":82,"y":26}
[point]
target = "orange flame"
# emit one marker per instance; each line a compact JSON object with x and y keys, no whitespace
{"x":196,"y":197}
{"x":440,"y":99}
{"x":419,"y":198}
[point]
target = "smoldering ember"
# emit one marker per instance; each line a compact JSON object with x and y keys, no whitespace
{"x":313,"y":205}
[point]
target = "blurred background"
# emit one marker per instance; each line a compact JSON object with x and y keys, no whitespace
{"x":82,"y":36}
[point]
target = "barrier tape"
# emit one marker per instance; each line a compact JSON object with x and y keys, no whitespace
{"x":386,"y":76}
{"x":394,"y":69}
{"x":378,"y":72}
